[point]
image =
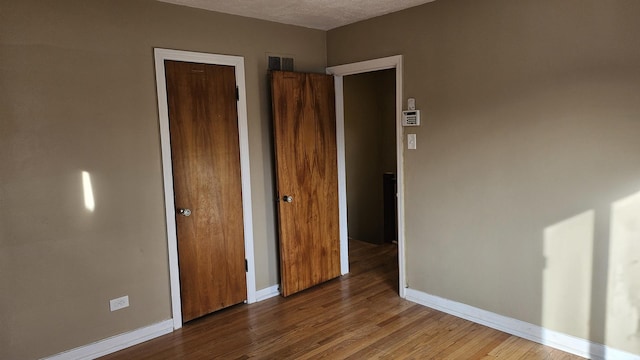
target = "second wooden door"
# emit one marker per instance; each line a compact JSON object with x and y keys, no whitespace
{"x":205,"y":155}
{"x":307,"y":180}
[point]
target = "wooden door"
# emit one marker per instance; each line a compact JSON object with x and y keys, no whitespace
{"x":205,"y":154}
{"x":307,"y":180}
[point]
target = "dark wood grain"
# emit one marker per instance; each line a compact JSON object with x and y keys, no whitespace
{"x":306,"y":167}
{"x":357,"y":316}
{"x":206,"y":173}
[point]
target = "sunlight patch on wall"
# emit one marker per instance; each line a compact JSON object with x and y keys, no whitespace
{"x":89,"y":202}
{"x":568,"y":252}
{"x":623,"y":293}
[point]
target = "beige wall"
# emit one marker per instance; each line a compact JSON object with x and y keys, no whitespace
{"x":78,"y":94}
{"x":529,"y":144}
{"x":530,"y":136}
{"x":387,"y":105}
{"x":369,"y":126}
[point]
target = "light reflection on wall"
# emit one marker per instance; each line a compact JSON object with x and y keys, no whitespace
{"x":623,"y":293}
{"x":568,"y":252}
{"x":89,"y":202}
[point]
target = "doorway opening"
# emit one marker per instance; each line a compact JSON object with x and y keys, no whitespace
{"x":370,"y":151}
{"x":370,"y":160}
{"x":340,"y":72}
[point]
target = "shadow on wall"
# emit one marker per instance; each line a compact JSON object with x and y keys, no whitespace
{"x":567,"y":297}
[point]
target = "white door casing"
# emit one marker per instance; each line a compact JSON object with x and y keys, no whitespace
{"x":339,"y":71}
{"x":163,"y":114}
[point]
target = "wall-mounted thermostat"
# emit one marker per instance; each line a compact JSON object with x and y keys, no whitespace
{"x":411,"y":118}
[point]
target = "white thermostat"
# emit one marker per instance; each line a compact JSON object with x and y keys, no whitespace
{"x":411,"y":118}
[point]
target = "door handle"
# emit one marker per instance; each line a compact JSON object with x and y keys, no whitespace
{"x":287,"y":198}
{"x":184,"y":212}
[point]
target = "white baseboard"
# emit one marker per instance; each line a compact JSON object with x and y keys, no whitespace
{"x":122,"y":341}
{"x":560,"y":341}
{"x":115,"y":343}
{"x":267,"y":293}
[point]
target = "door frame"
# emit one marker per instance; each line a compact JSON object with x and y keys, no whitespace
{"x":339,"y":71}
{"x":237,"y":62}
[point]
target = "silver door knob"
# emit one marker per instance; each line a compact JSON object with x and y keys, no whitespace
{"x":287,"y":198}
{"x":184,"y":212}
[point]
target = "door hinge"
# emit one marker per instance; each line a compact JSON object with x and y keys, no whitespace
{"x":246,"y":265}
{"x":237,"y":93}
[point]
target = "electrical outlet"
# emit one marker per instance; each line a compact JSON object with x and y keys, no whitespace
{"x":119,"y":303}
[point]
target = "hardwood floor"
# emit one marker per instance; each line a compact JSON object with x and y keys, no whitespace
{"x":358,"y":316}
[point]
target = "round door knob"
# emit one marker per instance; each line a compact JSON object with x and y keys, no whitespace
{"x":184,"y":212}
{"x":287,"y":198}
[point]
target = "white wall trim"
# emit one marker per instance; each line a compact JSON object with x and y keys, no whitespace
{"x":238,"y":62}
{"x":115,"y":343}
{"x":342,"y":175}
{"x":267,"y":293}
{"x":560,"y":341}
{"x":391,"y":62}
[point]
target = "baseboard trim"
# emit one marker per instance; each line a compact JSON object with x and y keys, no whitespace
{"x":122,"y":341}
{"x":268,"y":293}
{"x":557,"y":340}
{"x":115,"y":343}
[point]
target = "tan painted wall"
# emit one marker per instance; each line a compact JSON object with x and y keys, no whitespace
{"x":369,"y":125}
{"x":78,"y":94}
{"x":388,"y":114}
{"x":530,"y":137}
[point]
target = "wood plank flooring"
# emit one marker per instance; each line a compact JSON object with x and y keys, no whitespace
{"x":358,"y":316}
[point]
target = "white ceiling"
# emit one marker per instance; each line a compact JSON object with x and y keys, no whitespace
{"x":315,"y":14}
